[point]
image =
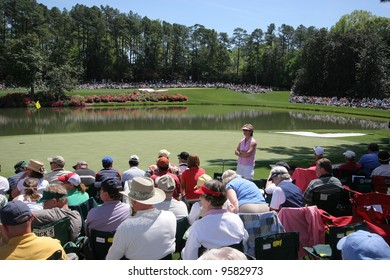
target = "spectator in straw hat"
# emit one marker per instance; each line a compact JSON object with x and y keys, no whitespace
{"x":35,"y":169}
{"x":246,"y":152}
{"x":57,"y":164}
{"x":150,"y":233}
{"x":218,"y":228}
{"x":31,"y":195}
{"x":167,"y":184}
{"x":21,"y":242}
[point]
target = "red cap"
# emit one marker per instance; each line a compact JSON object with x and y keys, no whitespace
{"x":65,"y":178}
{"x":162,"y":162}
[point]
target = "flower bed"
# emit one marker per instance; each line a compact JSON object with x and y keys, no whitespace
{"x":13,"y":100}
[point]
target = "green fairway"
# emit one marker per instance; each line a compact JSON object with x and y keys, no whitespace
{"x":215,"y":148}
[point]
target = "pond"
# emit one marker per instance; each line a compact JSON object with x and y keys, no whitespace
{"x":22,"y":121}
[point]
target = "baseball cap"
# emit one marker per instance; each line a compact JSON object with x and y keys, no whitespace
{"x":15,"y":213}
{"x":134,"y":158}
{"x":349,"y":154}
{"x":166,"y":183}
{"x":162,"y":162}
{"x":72,"y":178}
{"x":111,"y":183}
{"x":81,"y":162}
{"x":107,"y":161}
{"x":59,"y":160}
{"x":364,"y":245}
{"x":318,"y":150}
{"x":183,"y":155}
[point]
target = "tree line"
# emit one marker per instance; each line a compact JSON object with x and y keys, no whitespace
{"x":55,"y":50}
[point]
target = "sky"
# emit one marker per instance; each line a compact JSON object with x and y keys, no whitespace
{"x":226,"y":15}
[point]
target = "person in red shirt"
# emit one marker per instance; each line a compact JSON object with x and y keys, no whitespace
{"x":189,"y":178}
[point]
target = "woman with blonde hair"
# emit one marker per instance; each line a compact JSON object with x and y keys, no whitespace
{"x":31,"y":194}
{"x":243,"y":194}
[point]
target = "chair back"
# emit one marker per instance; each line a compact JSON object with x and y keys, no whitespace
{"x":279,"y":246}
{"x":361,"y":184}
{"x":338,"y":232}
{"x":57,"y":255}
{"x":381,"y":184}
{"x":83,"y":209}
{"x":260,"y":224}
{"x":99,"y":244}
{"x":59,"y":230}
{"x":336,"y":203}
{"x":181,"y":227}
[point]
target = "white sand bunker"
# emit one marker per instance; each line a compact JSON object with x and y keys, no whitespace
{"x":324,"y":135}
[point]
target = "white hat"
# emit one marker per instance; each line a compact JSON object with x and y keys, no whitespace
{"x":164,"y":153}
{"x":134,"y":158}
{"x":166,"y":183}
{"x":318,"y":150}
{"x":349,"y":154}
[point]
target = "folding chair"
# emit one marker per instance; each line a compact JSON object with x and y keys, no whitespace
{"x":335,"y":203}
{"x":279,"y":246}
{"x":83,"y":209}
{"x":361,"y":184}
{"x":381,"y":184}
{"x":181,"y":227}
{"x":218,"y":176}
{"x":338,"y":232}
{"x":99,"y":244}
{"x":57,"y":255}
{"x":59,"y":230}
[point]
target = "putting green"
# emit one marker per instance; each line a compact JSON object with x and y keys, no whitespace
{"x":215,"y":148}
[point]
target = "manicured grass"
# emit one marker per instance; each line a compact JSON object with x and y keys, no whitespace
{"x":215,"y":148}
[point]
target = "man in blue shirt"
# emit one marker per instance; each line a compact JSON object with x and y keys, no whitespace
{"x":370,"y":160}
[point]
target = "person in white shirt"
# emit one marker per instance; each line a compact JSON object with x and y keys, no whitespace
{"x":218,"y":228}
{"x":167,"y":184}
{"x":150,"y":233}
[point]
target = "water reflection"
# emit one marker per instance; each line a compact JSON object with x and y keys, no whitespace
{"x":63,"y":120}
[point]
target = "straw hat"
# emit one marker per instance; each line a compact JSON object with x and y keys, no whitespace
{"x":36,"y":166}
{"x":142,"y":190}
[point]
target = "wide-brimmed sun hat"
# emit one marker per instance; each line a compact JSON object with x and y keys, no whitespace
{"x":142,"y":190}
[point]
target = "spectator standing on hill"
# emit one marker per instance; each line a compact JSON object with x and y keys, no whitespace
{"x":246,"y":152}
{"x":370,"y":160}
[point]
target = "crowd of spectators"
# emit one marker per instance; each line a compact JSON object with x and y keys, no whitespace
{"x":372,"y":103}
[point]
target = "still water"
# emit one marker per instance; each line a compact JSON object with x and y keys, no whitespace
{"x":63,"y":120}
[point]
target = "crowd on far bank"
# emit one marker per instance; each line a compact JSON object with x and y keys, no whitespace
{"x":371,"y":103}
